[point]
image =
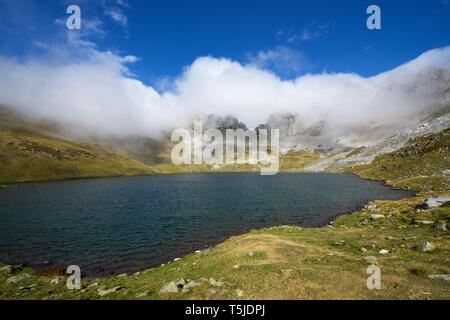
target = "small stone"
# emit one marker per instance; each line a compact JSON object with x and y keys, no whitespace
{"x":18,"y":278}
{"x":215,"y":283}
{"x":28,"y":288}
{"x":236,"y":266}
{"x":371,"y":259}
{"x":102,"y":293}
{"x":142,"y":294}
{"x":251,"y":254}
{"x":363,"y":250}
{"x":390,"y":238}
{"x":122,"y":275}
{"x":211,"y":291}
{"x":92,"y":285}
{"x":445,"y":277}
{"x":198,"y":251}
{"x":239,"y":293}
{"x":136,"y":273}
{"x":176,"y":259}
{"x":425,"y":246}
{"x":377,"y":216}
{"x":55,"y":281}
{"x":170,"y":287}
{"x":441,"y":225}
{"x":383,"y":251}
{"x":424,"y":222}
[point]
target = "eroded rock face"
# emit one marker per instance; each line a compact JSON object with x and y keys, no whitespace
{"x":433,"y":202}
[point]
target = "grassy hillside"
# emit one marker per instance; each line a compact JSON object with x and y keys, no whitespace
{"x":33,"y":152}
{"x":421,"y":165}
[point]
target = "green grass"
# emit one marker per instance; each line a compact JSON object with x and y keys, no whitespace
{"x":25,"y":157}
{"x":418,"y":166}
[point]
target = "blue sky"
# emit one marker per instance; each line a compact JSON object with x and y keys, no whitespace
{"x":289,"y":37}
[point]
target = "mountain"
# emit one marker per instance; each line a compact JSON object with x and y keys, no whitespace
{"x":34,"y":151}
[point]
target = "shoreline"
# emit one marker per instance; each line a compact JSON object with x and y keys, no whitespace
{"x":328,"y":223}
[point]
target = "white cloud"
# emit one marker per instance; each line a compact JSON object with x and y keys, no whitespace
{"x":93,"y":93}
{"x":117,"y":15}
{"x":282,"y":60}
{"x":310,"y":32}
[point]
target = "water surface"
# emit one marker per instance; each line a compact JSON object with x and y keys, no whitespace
{"x":127,"y":224}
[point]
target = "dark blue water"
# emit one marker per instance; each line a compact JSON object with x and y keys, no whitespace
{"x":127,"y":224}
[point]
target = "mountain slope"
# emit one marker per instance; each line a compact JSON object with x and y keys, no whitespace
{"x":33,"y":152}
{"x":422,"y":164}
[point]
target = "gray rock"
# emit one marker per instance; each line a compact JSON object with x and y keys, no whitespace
{"x":445,"y":277}
{"x":433,"y":202}
{"x":170,"y":287}
{"x":18,"y":278}
{"x":425,"y":246}
{"x":426,"y":222}
{"x":102,"y":293}
{"x":180,"y":283}
{"x":28,"y":288}
{"x":377,"y":216}
{"x":55,"y":280}
{"x":441,"y":225}
{"x":363,"y":250}
{"x":215,"y":283}
{"x":191,"y":284}
{"x":142,"y":294}
{"x":371,"y":259}
{"x":6,"y":268}
{"x":383,"y":251}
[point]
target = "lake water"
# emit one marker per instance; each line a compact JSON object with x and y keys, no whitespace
{"x":128,"y":224}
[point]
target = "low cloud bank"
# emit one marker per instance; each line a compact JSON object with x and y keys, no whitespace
{"x":96,"y":95}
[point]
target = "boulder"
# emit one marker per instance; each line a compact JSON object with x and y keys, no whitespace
{"x":371,"y":259}
{"x":425,"y":246}
{"x":445,"y":277}
{"x":433,"y":202}
{"x":18,"y":278}
{"x":170,"y":287}
{"x":441,"y":225}
{"x":6,"y":268}
{"x":180,"y":283}
{"x":102,"y":293}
